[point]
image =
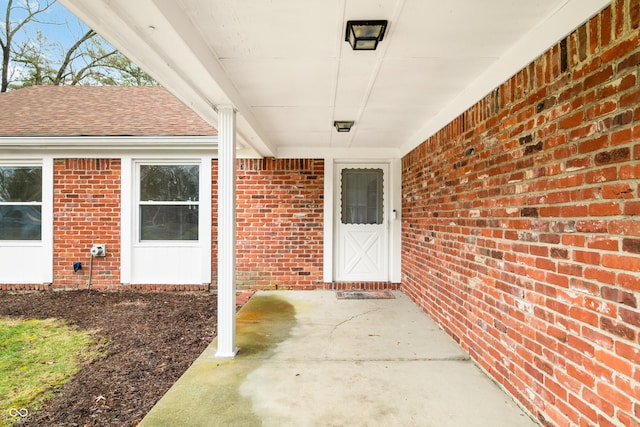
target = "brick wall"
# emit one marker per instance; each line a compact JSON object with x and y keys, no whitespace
{"x":521,"y":227}
{"x":279,"y":223}
{"x":86,"y":210}
{"x":279,"y":229}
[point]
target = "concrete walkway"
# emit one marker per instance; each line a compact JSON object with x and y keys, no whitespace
{"x":309,"y":359}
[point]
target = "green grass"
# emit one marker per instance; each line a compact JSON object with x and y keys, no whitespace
{"x":36,"y":357}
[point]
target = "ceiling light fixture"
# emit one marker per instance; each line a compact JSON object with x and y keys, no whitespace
{"x":343,"y":126}
{"x":365,"y":35}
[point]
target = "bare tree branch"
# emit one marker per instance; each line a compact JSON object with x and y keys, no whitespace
{"x":90,"y":60}
{"x":67,"y":59}
{"x":33,"y":9}
{"x":93,"y":64}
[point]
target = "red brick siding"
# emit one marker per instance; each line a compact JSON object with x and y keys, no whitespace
{"x":168,"y":287}
{"x":279,"y":230}
{"x":279,"y":223}
{"x":521,"y":233}
{"x":369,"y":286}
{"x":25,"y":286}
{"x":86,"y":210}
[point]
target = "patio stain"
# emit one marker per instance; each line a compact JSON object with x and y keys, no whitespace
{"x":262,"y":325}
{"x":208,"y":393}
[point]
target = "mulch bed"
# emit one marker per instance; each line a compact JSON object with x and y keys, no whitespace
{"x":153,"y":338}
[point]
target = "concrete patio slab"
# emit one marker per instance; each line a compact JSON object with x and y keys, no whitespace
{"x":309,"y":359}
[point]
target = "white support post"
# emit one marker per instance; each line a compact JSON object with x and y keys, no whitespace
{"x":226,"y":233}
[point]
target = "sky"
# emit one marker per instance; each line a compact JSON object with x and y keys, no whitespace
{"x":58,"y":25}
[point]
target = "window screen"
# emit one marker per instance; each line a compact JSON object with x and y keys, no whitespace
{"x":20,"y":202}
{"x":169,"y":202}
{"x":362,"y":196}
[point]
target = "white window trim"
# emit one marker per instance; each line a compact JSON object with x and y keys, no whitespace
{"x":18,"y":164}
{"x":138,"y":202}
{"x":129,"y":215}
{"x":46,"y":232}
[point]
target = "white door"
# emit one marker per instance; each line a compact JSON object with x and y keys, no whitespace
{"x":361,"y":221}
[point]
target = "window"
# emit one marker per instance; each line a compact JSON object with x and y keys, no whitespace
{"x":168,"y":201}
{"x":362,"y":196}
{"x":20,"y":202}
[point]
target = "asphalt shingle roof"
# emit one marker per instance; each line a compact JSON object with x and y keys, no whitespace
{"x":97,"y":111}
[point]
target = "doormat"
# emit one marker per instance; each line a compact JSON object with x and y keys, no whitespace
{"x":364,"y":295}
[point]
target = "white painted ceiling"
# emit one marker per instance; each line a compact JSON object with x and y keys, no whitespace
{"x":285,"y":67}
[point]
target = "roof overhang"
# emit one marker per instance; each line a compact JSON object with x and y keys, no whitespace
{"x":207,"y":54}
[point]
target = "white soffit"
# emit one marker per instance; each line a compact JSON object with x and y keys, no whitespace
{"x":285,"y":67}
{"x":567,"y":16}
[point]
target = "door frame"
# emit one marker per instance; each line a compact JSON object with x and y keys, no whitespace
{"x":381,"y":230}
{"x":394,"y":212}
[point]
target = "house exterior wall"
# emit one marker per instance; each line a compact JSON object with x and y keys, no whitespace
{"x":521,"y":227}
{"x":279,"y":223}
{"x":86,"y":210}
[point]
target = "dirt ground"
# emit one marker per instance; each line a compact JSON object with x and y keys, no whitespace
{"x":153,"y":338}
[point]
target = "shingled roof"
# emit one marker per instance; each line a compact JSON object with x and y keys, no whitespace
{"x":97,"y":111}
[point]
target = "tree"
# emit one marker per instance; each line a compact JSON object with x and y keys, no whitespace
{"x":124,"y":73}
{"x":32,"y":9}
{"x":37,"y":61}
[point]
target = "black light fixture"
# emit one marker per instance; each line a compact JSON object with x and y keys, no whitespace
{"x":365,"y":35}
{"x":342,"y":126}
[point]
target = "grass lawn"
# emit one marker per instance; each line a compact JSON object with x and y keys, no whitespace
{"x":36,"y":357}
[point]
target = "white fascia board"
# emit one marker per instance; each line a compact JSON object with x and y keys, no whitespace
{"x":85,"y":146}
{"x":141,"y":31}
{"x":109,"y":145}
{"x":564,"y":20}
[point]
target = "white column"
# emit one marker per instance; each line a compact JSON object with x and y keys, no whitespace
{"x":226,"y":232}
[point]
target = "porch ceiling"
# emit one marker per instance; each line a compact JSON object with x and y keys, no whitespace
{"x":285,"y":67}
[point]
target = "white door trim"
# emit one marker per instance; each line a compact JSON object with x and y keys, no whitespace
{"x":361,"y":248}
{"x":395,"y":204}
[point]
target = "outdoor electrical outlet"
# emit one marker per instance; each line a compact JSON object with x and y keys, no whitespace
{"x":99,"y":250}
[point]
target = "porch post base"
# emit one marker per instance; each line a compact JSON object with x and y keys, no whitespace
{"x":226,"y":356}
